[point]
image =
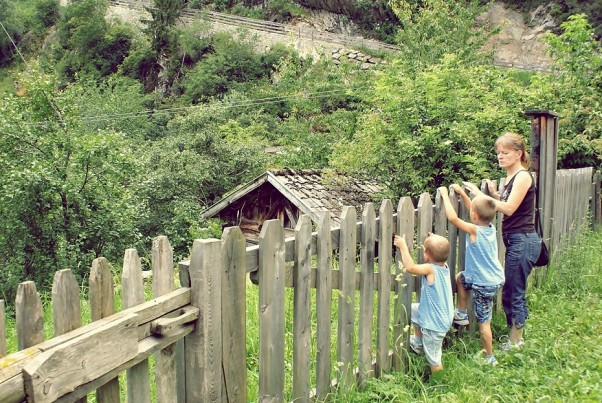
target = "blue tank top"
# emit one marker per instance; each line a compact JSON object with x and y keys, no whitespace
{"x":482,"y":264}
{"x":436,"y":309}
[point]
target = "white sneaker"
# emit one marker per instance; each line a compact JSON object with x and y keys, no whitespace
{"x":511,"y":345}
{"x":416,"y":347}
{"x":460,"y":318}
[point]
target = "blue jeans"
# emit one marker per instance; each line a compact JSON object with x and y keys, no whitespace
{"x":521,"y":252}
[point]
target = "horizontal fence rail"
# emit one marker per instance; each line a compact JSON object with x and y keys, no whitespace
{"x":350,"y":295}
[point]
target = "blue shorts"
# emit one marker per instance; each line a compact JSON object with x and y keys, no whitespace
{"x":482,"y":297}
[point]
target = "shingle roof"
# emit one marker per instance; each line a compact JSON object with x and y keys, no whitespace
{"x":311,"y":190}
{"x":324,"y":190}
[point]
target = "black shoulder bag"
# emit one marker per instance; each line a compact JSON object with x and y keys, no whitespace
{"x":544,"y":255}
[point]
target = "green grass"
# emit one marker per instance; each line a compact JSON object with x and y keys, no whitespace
{"x":561,"y":360}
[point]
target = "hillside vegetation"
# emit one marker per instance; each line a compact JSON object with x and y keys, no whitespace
{"x":112,"y":134}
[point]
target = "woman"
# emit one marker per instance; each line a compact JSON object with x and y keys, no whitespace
{"x":517,"y":203}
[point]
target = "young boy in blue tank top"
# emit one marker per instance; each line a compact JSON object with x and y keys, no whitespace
{"x":433,"y":316}
{"x":483,"y":272}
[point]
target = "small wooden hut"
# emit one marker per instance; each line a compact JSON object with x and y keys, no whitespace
{"x":286,"y":194}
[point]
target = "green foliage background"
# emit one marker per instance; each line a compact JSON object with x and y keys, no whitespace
{"x":111,"y":135}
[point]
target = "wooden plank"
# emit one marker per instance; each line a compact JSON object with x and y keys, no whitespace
{"x":203,"y":347}
{"x":102,"y":304}
{"x":368,"y":238}
{"x":66,"y":308}
{"x":405,"y":289}
{"x":138,"y":379}
{"x":56,"y":372}
{"x":163,"y":282}
{"x":252,"y":252}
{"x":301,"y":310}
{"x":11,"y":390}
{"x":2,"y":328}
{"x":385,"y":235}
{"x":146,"y":348}
{"x":234,"y":297}
{"x":271,"y":311}
{"x":29,"y":315}
{"x":323,"y":304}
{"x":346,"y":300}
{"x":11,"y":365}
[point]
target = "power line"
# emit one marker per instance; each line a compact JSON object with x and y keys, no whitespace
{"x":52,"y":104}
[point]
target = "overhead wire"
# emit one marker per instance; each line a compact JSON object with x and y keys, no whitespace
{"x":150,"y":112}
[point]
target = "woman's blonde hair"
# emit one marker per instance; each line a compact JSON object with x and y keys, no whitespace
{"x":516,"y":142}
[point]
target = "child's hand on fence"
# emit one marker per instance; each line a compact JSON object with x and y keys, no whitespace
{"x":457,"y":189}
{"x":400,"y":242}
{"x":443,"y":191}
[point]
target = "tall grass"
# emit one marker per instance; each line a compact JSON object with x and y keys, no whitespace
{"x":561,"y":360}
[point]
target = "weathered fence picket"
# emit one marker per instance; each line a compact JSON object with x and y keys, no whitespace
{"x":66,"y":306}
{"x":385,"y":234}
{"x":403,"y":301}
{"x":368,"y":237}
{"x":138,"y":378}
{"x":302,"y":309}
{"x":234,"y":317}
{"x":346,"y":300}
{"x":271,"y":312}
{"x":102,"y":303}
{"x":30,"y":318}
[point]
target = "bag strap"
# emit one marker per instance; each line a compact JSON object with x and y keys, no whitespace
{"x":538,"y":226}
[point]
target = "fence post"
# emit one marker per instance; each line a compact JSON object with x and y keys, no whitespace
{"x":544,"y":156}
{"x":163,"y":283}
{"x":234,"y":319}
{"x":203,"y":347}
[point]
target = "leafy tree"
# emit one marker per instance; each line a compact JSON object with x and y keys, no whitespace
{"x":232,"y":64}
{"x":87,"y":43}
{"x":431,"y":29}
{"x":66,"y":194}
{"x":47,"y":12}
{"x":436,"y":108}
{"x":161,"y":29}
{"x":206,"y":153}
{"x":574,"y":91}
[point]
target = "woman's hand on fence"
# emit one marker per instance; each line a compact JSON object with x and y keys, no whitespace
{"x":472,"y":188}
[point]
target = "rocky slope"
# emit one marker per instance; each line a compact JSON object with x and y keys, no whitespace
{"x":517,"y":44}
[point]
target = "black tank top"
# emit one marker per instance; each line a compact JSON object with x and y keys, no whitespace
{"x":523,"y":219}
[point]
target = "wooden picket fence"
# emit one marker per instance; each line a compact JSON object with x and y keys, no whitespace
{"x":198,"y":332}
